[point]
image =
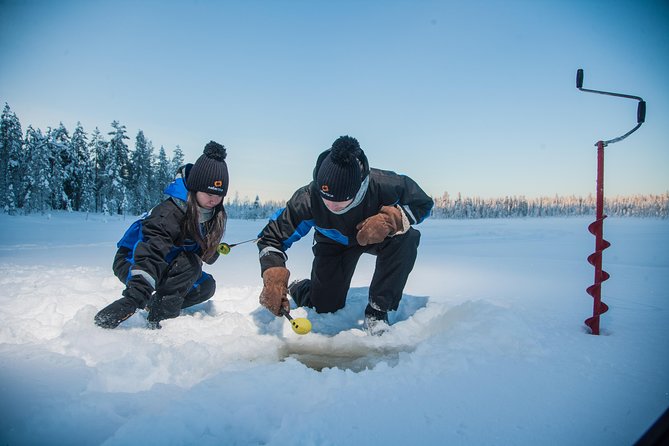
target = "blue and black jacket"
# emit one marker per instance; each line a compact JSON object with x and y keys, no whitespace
{"x":151,"y":243}
{"x":306,"y":210}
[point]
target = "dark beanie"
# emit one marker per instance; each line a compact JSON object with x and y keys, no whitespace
{"x":209,"y":173}
{"x":340,"y":174}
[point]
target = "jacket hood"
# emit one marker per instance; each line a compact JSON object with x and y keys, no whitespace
{"x":177,"y":188}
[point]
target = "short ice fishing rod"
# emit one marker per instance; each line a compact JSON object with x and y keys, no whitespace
{"x":224,"y":248}
{"x":596,"y":228}
{"x":300,"y":325}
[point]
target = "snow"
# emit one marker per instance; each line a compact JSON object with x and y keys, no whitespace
{"x":488,"y":346}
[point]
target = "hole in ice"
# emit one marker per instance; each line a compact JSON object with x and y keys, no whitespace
{"x":350,"y":357}
{"x":338,"y":340}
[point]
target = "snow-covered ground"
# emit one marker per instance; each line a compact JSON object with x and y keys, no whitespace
{"x":488,"y":346}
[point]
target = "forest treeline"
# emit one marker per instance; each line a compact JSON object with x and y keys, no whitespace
{"x":55,"y":169}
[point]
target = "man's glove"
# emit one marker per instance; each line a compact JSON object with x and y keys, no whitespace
{"x":275,"y":286}
{"x":377,"y":227}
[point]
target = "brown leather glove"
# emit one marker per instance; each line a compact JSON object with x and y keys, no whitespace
{"x":275,"y":286}
{"x":377,"y":227}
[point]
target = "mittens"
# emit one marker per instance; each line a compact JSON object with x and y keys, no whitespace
{"x":115,"y":313}
{"x":275,"y":286}
{"x":377,"y":227}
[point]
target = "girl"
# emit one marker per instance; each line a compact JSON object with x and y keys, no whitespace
{"x":160,"y":256}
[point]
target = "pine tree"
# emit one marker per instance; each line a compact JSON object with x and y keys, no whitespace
{"x":163,"y":175}
{"x":12,"y":166}
{"x":100,"y":159}
{"x":68,"y":162}
{"x":177,"y":159}
{"x":5,"y":146}
{"x":141,"y":175}
{"x":255,"y":212}
{"x":80,"y":172}
{"x":117,"y":170}
{"x":38,"y":193}
{"x":58,"y":142}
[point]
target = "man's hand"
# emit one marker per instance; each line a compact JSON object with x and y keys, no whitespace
{"x":377,"y":227}
{"x":275,"y":286}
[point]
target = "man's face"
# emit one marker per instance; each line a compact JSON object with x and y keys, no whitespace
{"x":336,"y":206}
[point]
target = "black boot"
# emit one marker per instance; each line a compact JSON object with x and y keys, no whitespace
{"x":115,"y":313}
{"x":299,"y":290}
{"x":376,"y":321}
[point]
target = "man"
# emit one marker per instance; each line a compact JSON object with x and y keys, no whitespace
{"x":354,"y":210}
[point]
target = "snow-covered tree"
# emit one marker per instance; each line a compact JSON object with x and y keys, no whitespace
{"x":68,"y":162}
{"x":100,"y":160}
{"x":81,"y":179}
{"x":141,"y":175}
{"x":164,"y":174}
{"x":177,"y":158}
{"x":117,"y":169}
{"x":58,"y":144}
{"x":38,"y":175}
{"x":12,"y":167}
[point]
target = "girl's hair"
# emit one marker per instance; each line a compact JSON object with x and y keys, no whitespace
{"x":215,"y":227}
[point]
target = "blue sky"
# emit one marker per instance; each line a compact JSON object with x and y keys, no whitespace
{"x":476,"y":97}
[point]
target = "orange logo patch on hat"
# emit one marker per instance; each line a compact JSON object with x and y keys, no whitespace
{"x":218,"y":183}
{"x":325,"y":188}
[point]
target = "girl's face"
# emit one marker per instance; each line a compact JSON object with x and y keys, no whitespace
{"x":208,"y":201}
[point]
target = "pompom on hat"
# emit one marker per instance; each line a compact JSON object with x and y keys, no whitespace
{"x":340,"y":174}
{"x":210,"y":172}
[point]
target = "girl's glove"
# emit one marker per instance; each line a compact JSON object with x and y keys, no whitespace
{"x":115,"y":313}
{"x":377,"y":227}
{"x":275,"y":286}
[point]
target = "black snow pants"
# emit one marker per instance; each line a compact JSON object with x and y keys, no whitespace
{"x":183,"y":284}
{"x":334,"y":265}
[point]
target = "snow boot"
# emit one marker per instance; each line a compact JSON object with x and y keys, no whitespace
{"x":376,"y":321}
{"x":299,"y":291}
{"x":115,"y":313}
{"x":153,"y":325}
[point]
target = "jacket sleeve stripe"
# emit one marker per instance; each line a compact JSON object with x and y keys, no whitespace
{"x":407,"y":211}
{"x":334,"y":235}
{"x":270,"y":249}
{"x":302,"y":229}
{"x":146,"y":276}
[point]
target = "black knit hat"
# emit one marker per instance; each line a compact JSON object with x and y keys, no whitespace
{"x":210,"y":173}
{"x":340,"y":174}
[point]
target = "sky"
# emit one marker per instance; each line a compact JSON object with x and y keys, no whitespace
{"x":472,"y":97}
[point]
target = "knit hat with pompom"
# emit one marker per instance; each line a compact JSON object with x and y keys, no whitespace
{"x":340,"y":174}
{"x":210,"y":172}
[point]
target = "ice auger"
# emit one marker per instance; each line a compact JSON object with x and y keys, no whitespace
{"x":596,"y":228}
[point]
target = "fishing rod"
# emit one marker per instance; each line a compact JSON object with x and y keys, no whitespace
{"x":300,"y":325}
{"x":224,"y":248}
